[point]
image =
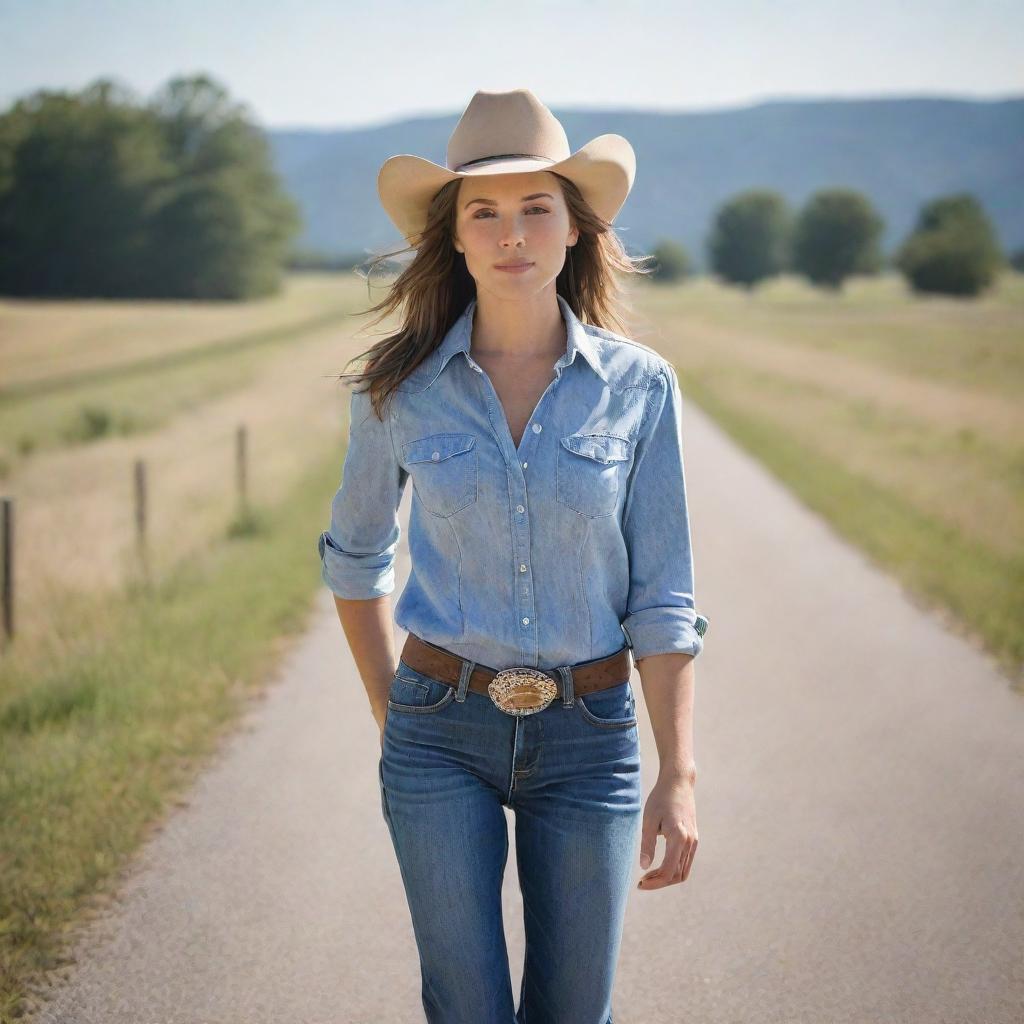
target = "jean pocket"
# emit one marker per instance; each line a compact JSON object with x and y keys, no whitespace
{"x":414,"y":693}
{"x":589,"y":470}
{"x":612,"y":708}
{"x":444,"y":471}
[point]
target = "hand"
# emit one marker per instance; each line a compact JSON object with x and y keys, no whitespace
{"x":670,"y":812}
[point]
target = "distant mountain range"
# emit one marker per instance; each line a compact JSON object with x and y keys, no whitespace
{"x":898,"y":152}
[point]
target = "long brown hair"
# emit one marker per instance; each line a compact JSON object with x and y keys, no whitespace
{"x":436,"y":287}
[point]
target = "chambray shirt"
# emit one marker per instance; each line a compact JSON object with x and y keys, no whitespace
{"x":548,"y":554}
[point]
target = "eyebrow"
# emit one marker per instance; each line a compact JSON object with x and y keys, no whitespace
{"x":525,"y":199}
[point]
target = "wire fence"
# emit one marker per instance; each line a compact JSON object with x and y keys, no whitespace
{"x":141,"y":476}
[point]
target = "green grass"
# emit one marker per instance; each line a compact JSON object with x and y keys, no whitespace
{"x":100,"y":730}
{"x":948,"y":571}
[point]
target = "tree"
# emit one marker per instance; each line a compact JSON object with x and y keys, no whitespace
{"x":953,"y":248}
{"x":673,"y":262}
{"x":222,"y":225}
{"x":836,"y":235}
{"x":74,"y":193}
{"x":749,"y":239}
{"x":100,"y":196}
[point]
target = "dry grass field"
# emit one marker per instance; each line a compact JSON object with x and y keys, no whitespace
{"x":899,"y":418}
{"x":863,"y":401}
{"x":183,"y":377}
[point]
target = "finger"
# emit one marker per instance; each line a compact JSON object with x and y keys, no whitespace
{"x":648,"y":842}
{"x":691,"y":851}
{"x":665,"y":873}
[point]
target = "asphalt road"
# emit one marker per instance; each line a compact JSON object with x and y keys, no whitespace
{"x":860,"y":810}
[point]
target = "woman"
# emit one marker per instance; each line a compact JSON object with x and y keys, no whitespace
{"x":548,"y":537}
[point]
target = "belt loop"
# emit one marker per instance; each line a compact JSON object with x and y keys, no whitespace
{"x":464,"y":674}
{"x":568,"y":695}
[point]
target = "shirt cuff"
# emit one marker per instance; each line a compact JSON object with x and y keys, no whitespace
{"x":665,"y":631}
{"x":357,"y":577}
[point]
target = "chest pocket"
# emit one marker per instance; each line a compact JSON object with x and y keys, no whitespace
{"x":589,"y":471}
{"x":443,"y":470}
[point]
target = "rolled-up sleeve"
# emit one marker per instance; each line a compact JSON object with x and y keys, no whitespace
{"x":661,"y":615}
{"x":358,"y":551}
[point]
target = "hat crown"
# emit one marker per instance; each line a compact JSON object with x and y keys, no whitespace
{"x":501,"y":125}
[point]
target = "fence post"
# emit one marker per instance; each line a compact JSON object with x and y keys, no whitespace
{"x":241,"y":446}
{"x":140,"y":514}
{"x":7,"y":529}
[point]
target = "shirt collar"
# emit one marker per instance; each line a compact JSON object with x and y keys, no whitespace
{"x":459,"y":338}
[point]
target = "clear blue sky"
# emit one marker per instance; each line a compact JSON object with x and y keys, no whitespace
{"x":334,"y":63}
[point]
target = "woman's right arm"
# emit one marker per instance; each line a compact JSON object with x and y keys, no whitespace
{"x":358,"y":551}
{"x":367,"y":626}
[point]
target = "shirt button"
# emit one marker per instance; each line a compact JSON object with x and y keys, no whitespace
{"x":520,"y":508}
{"x":436,"y":456}
{"x":537,"y":428}
{"x":522,"y":568}
{"x":526,"y":622}
{"x":525,"y":464}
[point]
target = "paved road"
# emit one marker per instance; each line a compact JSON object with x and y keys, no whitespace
{"x":860,"y":807}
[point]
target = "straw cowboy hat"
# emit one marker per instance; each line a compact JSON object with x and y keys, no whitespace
{"x":507,"y":133}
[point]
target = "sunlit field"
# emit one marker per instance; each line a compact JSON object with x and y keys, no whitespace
{"x":174,"y":380}
{"x":897,"y":417}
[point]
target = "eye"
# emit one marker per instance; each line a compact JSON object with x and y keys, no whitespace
{"x":542,"y":209}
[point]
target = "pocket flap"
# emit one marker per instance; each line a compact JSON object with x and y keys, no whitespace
{"x":600,"y":447}
{"x":437,"y":447}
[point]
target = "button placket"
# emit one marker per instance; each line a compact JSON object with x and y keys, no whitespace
{"x":529,"y":642}
{"x":524,"y":592}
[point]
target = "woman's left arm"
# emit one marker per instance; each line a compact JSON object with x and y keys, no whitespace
{"x":668,"y":684}
{"x":663,"y":627}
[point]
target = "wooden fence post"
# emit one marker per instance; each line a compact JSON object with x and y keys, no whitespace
{"x":140,"y":514}
{"x":241,"y":446}
{"x":7,"y":543}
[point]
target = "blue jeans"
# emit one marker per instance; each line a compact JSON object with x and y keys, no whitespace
{"x":571,"y":773}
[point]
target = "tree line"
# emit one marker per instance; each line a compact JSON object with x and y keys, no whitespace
{"x":104,"y":196}
{"x":952,"y":249}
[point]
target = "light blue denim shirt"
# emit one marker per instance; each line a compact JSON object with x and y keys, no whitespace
{"x":546,"y":555}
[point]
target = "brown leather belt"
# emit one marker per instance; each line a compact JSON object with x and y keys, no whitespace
{"x":521,"y":690}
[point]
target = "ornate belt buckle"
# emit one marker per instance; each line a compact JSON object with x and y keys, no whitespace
{"x":522,"y":690}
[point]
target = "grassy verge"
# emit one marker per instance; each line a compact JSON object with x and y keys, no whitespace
{"x":100,"y":730}
{"x":979,"y":590}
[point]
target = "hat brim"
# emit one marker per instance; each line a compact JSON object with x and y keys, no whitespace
{"x":604,"y":171}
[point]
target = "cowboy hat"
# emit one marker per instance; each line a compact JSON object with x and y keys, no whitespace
{"x":507,"y":133}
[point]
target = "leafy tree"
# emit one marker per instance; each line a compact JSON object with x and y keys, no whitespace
{"x":953,"y":248}
{"x":672,"y":262}
{"x":222,"y":225}
{"x":74,"y":193}
{"x":750,"y":237}
{"x":101,"y":196}
{"x":837,"y":235}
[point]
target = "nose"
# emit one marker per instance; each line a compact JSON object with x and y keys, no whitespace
{"x":514,"y":236}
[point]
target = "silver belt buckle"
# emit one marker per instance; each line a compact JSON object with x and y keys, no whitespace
{"x":522,"y":690}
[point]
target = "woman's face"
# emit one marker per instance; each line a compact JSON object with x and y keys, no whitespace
{"x":513,"y":218}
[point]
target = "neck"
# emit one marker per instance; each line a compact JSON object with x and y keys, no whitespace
{"x":529,"y":328}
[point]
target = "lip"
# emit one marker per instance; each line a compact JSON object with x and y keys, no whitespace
{"x":513,"y":268}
